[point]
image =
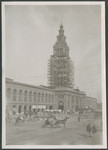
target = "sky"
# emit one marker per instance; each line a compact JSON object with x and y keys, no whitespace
{"x":31,"y":32}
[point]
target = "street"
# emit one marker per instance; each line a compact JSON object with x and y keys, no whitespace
{"x":31,"y":132}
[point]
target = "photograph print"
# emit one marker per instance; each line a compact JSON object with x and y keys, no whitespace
{"x":53,"y":64}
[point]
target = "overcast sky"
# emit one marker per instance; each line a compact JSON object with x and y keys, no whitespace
{"x":31,"y":32}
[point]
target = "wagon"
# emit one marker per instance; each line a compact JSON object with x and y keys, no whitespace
{"x":49,"y":122}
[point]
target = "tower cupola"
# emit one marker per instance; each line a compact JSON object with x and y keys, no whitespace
{"x":61,"y":31}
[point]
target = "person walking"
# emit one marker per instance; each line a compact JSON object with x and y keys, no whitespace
{"x":94,"y":130}
{"x":89,"y":129}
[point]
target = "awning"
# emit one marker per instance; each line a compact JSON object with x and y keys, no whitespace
{"x":39,"y":106}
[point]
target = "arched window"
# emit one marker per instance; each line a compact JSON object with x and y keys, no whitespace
{"x":49,"y":98}
{"x":38,"y":97}
{"x":30,"y":96}
{"x":20,"y":95}
{"x":73,"y":100}
{"x":25,"y":108}
{"x":34,"y":96}
{"x":68,"y":103}
{"x":52,"y":98}
{"x":8,"y":94}
{"x":14,"y":94}
{"x":20,"y":109}
{"x":42,"y":97}
{"x":14,"y":109}
{"x":25,"y":96}
{"x":80,"y":102}
{"x":46,"y":98}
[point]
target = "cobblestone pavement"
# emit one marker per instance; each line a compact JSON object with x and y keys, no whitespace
{"x":32,"y":133}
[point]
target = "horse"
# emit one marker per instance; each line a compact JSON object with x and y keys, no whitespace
{"x":61,"y":122}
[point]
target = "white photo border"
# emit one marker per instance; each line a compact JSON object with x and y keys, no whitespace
{"x":4,"y":146}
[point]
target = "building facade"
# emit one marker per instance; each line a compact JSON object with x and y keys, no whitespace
{"x":59,"y":95}
{"x":22,"y":97}
{"x":26,"y":97}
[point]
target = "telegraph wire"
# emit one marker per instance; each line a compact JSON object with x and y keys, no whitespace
{"x":90,"y":82}
{"x":81,"y":68}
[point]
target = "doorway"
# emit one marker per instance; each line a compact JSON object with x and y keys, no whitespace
{"x":19,"y":110}
{"x":25,"y":108}
{"x":61,"y":106}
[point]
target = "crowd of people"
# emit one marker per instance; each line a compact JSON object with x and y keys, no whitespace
{"x":91,"y":129}
{"x":22,"y":117}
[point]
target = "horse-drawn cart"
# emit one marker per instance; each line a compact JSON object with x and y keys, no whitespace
{"x":49,"y":122}
{"x":53,"y":122}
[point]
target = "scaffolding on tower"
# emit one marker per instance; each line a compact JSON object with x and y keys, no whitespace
{"x":60,"y":66}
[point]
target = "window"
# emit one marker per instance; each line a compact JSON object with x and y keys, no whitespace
{"x":14,"y":94}
{"x":49,"y":98}
{"x":46,"y":98}
{"x":52,"y":98}
{"x":8,"y":94}
{"x":25,"y":96}
{"x":30,"y":96}
{"x":38,"y":97}
{"x":34,"y":96}
{"x":14,"y":109}
{"x":42,"y":97}
{"x":60,"y":96}
{"x":20,"y":95}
